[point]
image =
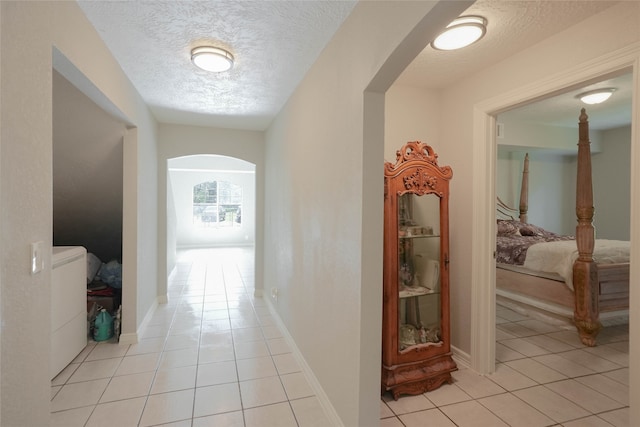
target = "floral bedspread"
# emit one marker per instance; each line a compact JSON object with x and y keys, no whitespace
{"x":514,"y":239}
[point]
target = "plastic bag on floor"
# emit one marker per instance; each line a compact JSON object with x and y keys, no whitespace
{"x":111,"y":274}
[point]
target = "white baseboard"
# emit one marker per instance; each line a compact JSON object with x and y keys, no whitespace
{"x":460,"y":357}
{"x":127,"y":339}
{"x":134,"y":338}
{"x":322,"y":397}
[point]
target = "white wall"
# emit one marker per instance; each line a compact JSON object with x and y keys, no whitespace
{"x":87,"y":173}
{"x":26,"y":186}
{"x":411,"y":114}
{"x":177,"y":141}
{"x":526,"y":135}
{"x":612,"y":185}
{"x":171,"y":230}
{"x":551,"y":187}
{"x":548,"y":187}
{"x":324,"y":184}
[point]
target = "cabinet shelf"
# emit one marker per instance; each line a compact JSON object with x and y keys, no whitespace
{"x":420,"y":236}
{"x":415,"y":291}
{"x":421,"y":347}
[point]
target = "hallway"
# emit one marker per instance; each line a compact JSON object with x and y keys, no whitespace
{"x":211,"y":356}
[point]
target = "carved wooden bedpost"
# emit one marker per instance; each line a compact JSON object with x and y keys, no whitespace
{"x":585,"y":271}
{"x":524,"y":190}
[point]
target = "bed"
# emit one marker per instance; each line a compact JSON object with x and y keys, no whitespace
{"x":575,"y":277}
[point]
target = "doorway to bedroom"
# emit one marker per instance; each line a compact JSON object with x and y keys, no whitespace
{"x":552,"y":177}
{"x":536,"y":169}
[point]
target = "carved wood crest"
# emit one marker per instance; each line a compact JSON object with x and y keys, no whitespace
{"x":423,"y":179}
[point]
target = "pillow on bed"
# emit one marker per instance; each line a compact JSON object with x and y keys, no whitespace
{"x":528,"y":230}
{"x":508,"y":227}
{"x":533,"y":230}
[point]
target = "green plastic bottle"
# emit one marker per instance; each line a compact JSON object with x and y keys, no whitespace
{"x":103,"y":327}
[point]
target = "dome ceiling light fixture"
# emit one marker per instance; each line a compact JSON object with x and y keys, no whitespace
{"x":212,"y":59}
{"x":462,"y":32}
{"x":596,"y":96}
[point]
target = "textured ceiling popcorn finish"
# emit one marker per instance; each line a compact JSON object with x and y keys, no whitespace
{"x":512,"y":26}
{"x":274,"y":44}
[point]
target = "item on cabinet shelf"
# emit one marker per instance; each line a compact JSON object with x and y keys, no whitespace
{"x":407,"y":336}
{"x":427,"y":271}
{"x":406,"y":274}
{"x":415,"y":231}
{"x":432,"y":334}
{"x":414,"y":291}
{"x":423,"y":334}
{"x":419,"y":231}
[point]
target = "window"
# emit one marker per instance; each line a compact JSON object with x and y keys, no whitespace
{"x":217,"y":204}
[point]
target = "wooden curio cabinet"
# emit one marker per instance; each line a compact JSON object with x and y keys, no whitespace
{"x":416,"y":350}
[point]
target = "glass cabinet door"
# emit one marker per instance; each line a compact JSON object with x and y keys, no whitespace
{"x":419,"y":302}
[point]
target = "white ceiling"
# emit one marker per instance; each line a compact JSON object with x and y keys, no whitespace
{"x":512,"y":26}
{"x":276,"y":42}
{"x":563,"y":110}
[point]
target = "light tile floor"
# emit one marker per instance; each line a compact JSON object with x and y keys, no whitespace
{"x":212,"y":356}
{"x":544,"y":377}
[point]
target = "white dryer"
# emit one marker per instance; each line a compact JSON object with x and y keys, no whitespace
{"x":68,"y":305}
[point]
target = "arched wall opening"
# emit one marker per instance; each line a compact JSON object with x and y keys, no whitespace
{"x":232,"y":153}
{"x":211,"y":201}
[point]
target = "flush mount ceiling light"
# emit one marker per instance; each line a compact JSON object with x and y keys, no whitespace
{"x":461,"y":33}
{"x":212,"y":59}
{"x":596,"y":96}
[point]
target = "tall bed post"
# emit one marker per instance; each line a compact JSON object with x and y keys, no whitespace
{"x":585,"y":271}
{"x":524,"y":190}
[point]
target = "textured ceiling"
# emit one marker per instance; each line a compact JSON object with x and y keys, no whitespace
{"x":563,"y":110}
{"x":276,"y":42}
{"x":511,"y":27}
